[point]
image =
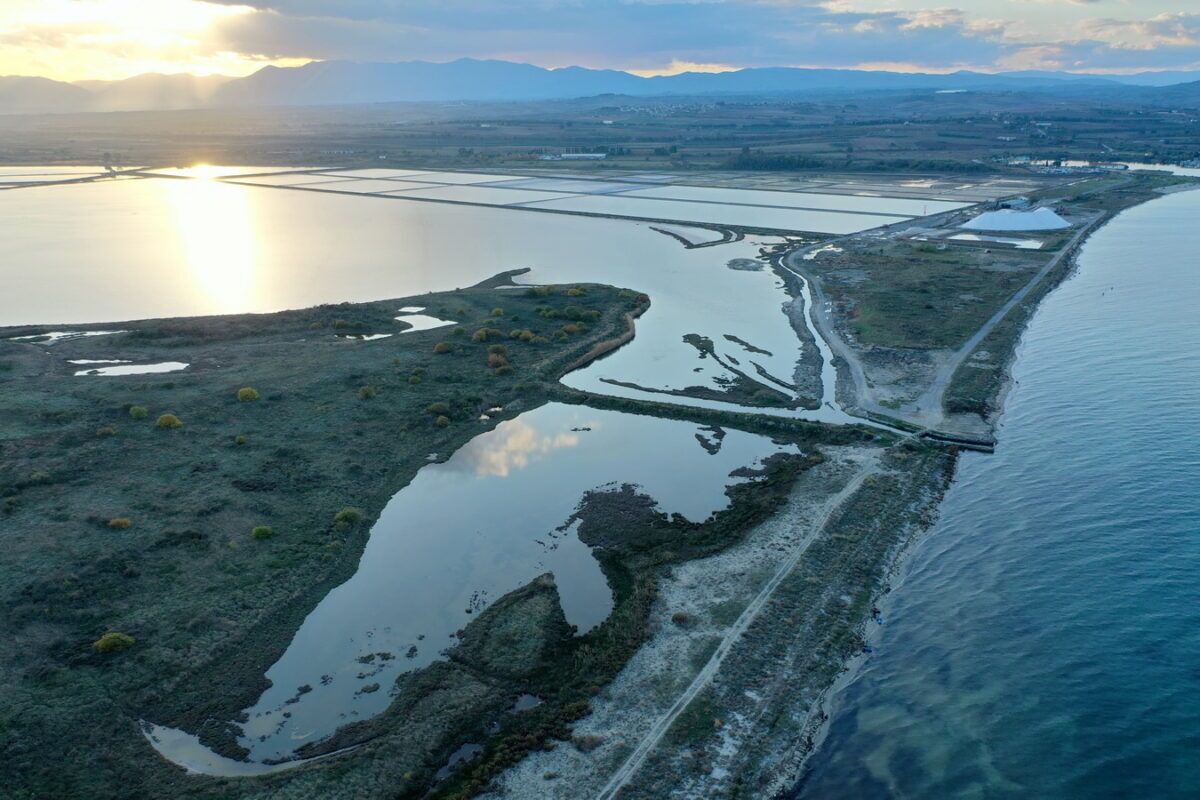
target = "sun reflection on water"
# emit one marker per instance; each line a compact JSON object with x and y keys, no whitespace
{"x":216,"y":232}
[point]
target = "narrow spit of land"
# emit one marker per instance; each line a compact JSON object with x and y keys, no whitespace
{"x":900,"y":362}
{"x":622,"y":776}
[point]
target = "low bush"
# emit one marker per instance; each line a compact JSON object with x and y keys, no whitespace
{"x":586,"y":742}
{"x":442,"y":347}
{"x":575,"y":291}
{"x":348,"y":516}
{"x":113,"y":642}
{"x":239,"y":439}
{"x":138,"y":412}
{"x":498,"y":349}
{"x":497,"y":312}
{"x":442,"y":422}
{"x":483,"y":334}
{"x":367,"y":392}
{"x":106,"y":430}
{"x":119,"y":523}
{"x":261,"y":532}
{"x":438,"y":408}
{"x":681,"y":618}
{"x":169,"y":421}
{"x":247,"y":394}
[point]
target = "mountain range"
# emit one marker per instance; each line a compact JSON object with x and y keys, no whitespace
{"x":346,"y":82}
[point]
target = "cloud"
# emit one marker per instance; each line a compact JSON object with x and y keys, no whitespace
{"x":642,"y":35}
{"x":651,"y":36}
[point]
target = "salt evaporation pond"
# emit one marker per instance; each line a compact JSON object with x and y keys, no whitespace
{"x":461,"y":535}
{"x":162,"y":247}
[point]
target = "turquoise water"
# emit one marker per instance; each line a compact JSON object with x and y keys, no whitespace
{"x":1045,"y":641}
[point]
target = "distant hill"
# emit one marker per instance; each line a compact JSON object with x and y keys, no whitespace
{"x":345,"y":82}
{"x":21,"y":95}
{"x":152,"y":92}
{"x":1184,"y":94}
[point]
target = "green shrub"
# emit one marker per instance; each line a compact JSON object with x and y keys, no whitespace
{"x":497,"y":360}
{"x":138,"y":412}
{"x":106,"y":430}
{"x":119,"y":523}
{"x":348,"y":516}
{"x":239,"y":439}
{"x":442,"y":422}
{"x":414,"y":380}
{"x":497,"y":312}
{"x":169,"y":421}
{"x":247,"y":394}
{"x":113,"y":642}
{"x":438,"y":408}
{"x":504,"y":369}
{"x":575,"y":291}
{"x":498,"y":349}
{"x":442,"y":347}
{"x":459,"y":330}
{"x":367,"y":392}
{"x":483,"y":334}
{"x":261,"y":532}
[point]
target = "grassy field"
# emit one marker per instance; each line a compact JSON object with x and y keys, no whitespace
{"x":114,"y":523}
{"x":907,"y":294}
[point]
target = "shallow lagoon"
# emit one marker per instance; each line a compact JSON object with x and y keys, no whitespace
{"x":170,"y":247}
{"x":433,"y":560}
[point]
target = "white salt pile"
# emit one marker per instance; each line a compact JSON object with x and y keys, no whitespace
{"x":1043,"y":219}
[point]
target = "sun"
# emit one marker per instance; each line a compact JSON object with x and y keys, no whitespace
{"x":74,"y":40}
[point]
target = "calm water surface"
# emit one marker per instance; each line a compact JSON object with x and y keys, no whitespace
{"x":466,"y":532}
{"x":1046,"y":641}
{"x":162,"y":247}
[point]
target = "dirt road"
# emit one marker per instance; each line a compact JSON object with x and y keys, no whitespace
{"x":621,"y":777}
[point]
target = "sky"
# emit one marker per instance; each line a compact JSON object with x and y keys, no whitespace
{"x":111,"y":39}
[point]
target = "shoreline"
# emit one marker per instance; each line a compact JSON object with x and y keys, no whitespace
{"x":824,"y":710}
